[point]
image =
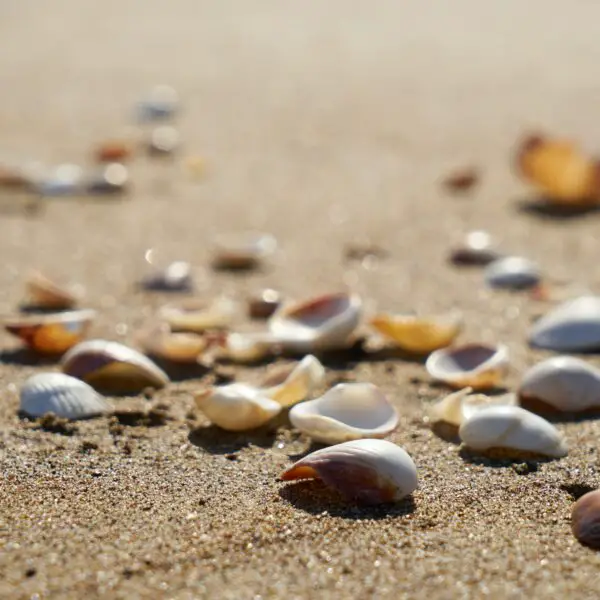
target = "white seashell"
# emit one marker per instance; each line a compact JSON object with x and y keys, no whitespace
{"x":237,"y":406}
{"x":162,"y":102}
{"x":513,"y":430}
{"x":474,"y":365}
{"x":321,"y":323}
{"x":364,"y":471}
{"x":242,"y":251}
{"x":247,"y":347}
{"x":65,"y":180}
{"x":291,"y":385}
{"x":61,"y":395}
{"x":198,"y":316}
{"x":175,"y":277}
{"x":477,"y":248}
{"x":113,"y":366}
{"x":512,"y":272}
{"x":573,"y":326}
{"x":348,"y":411}
{"x":561,"y":383}
{"x":45,"y":293}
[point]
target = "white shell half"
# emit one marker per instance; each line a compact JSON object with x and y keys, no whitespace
{"x":512,"y":428}
{"x":237,"y":406}
{"x":512,"y":272}
{"x":322,"y":323}
{"x":473,"y":365}
{"x":348,"y":411}
{"x":61,"y":395}
{"x":365,"y":471}
{"x":562,"y":383}
{"x":573,"y":326}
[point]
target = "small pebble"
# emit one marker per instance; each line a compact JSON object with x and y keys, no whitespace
{"x":164,"y":140}
{"x":462,"y":180}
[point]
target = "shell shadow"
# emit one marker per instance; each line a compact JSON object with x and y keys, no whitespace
{"x":495,"y":391}
{"x":36,"y":309}
{"x":358,"y":353}
{"x":473,"y":457}
{"x":312,"y":447}
{"x":27,"y":358}
{"x":180,"y":371}
{"x":446,"y":432}
{"x":542,"y":208}
{"x":576,"y":490}
{"x":215,"y":440}
{"x":314,"y":497}
{"x":557,"y":416}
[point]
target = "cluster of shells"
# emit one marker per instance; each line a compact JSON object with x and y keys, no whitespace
{"x":350,"y":418}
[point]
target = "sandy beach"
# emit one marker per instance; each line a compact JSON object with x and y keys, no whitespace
{"x":325,"y":124}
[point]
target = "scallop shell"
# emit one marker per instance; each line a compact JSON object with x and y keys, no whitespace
{"x":197,"y":316}
{"x":237,"y":406}
{"x":512,"y":272}
{"x":176,"y":347}
{"x":45,"y":293}
{"x":561,"y":383}
{"x":585,"y":519}
{"x":242,"y":251}
{"x":363,"y":471}
{"x":175,"y":277}
{"x":348,"y":411}
{"x":477,"y":248}
{"x":473,"y":365}
{"x":321,"y":323}
{"x":61,"y":395}
{"x":113,"y":367}
{"x":420,"y":335}
{"x":512,"y":430}
{"x":559,"y":170}
{"x":573,"y":326}
{"x":51,"y":333}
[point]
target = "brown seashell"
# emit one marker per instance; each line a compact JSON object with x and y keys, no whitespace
{"x":51,"y":333}
{"x":560,"y":170}
{"x":14,"y":178}
{"x":113,"y":151}
{"x":462,"y":180}
{"x":164,"y":140}
{"x":585,"y":519}
{"x":263,"y":304}
{"x":45,"y":293}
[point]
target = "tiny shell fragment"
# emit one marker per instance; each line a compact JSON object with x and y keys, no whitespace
{"x":462,"y":180}
{"x":113,"y":151}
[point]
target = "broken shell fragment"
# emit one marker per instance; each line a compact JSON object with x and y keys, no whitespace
{"x":363,"y":471}
{"x":51,"y":333}
{"x":242,"y":251}
{"x":418,"y":334}
{"x":573,"y":326}
{"x":62,"y":395}
{"x":292,"y":384}
{"x":263,"y":304}
{"x":175,"y":277}
{"x":197,"y":315}
{"x":561,"y":383}
{"x":348,"y":411}
{"x":473,"y":365}
{"x":559,"y":170}
{"x":512,"y":272}
{"x":46,"y":294}
{"x":322,"y":323}
{"x":477,"y":249}
{"x":113,"y":367}
{"x":237,"y":406}
{"x":585,"y":519}
{"x":513,"y":431}
{"x":177,"y":347}
{"x":113,"y":151}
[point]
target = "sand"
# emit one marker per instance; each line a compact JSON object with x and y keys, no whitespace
{"x":325,"y":124}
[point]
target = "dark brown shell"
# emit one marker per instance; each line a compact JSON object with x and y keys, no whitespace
{"x":585,"y":519}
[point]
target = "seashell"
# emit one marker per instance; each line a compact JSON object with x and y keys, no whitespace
{"x":110,"y":179}
{"x":513,"y":431}
{"x":162,"y":103}
{"x":363,"y":471}
{"x":477,"y":248}
{"x":263,"y":304}
{"x":65,"y":180}
{"x":175,"y":277}
{"x":45,"y":293}
{"x":242,"y":251}
{"x":113,"y":367}
{"x":247,"y":347}
{"x":164,"y":140}
{"x":561,"y":383}
{"x":321,"y":323}
{"x":237,"y":406}
{"x":418,"y":334}
{"x":292,"y":384}
{"x":62,"y":395}
{"x":348,"y":411}
{"x":177,"y":347}
{"x":473,"y":365}
{"x":559,"y":170}
{"x":51,"y":333}
{"x":15,"y":178}
{"x":462,"y":180}
{"x":573,"y":326}
{"x":113,"y":151}
{"x":585,"y":519}
{"x":512,"y":272}
{"x":197,"y":315}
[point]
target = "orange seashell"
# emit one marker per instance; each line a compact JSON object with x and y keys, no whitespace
{"x":113,"y":151}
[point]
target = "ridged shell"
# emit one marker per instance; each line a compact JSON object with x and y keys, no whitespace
{"x":585,"y":519}
{"x":363,"y":471}
{"x":512,"y":272}
{"x":61,"y":395}
{"x":348,"y":411}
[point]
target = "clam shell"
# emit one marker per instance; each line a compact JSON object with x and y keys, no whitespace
{"x":561,"y":383}
{"x":237,"y":406}
{"x":176,"y":347}
{"x":175,"y":277}
{"x":477,"y":248}
{"x":61,"y":395}
{"x":513,"y":430}
{"x":113,"y":367}
{"x":45,"y":293}
{"x":573,"y":326}
{"x":51,"y":333}
{"x":363,"y":471}
{"x":348,"y":411}
{"x":512,"y":272}
{"x":585,"y":519}
{"x":420,"y":335}
{"x":321,"y":323}
{"x":242,"y":251}
{"x":197,"y":316}
{"x":473,"y":365}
